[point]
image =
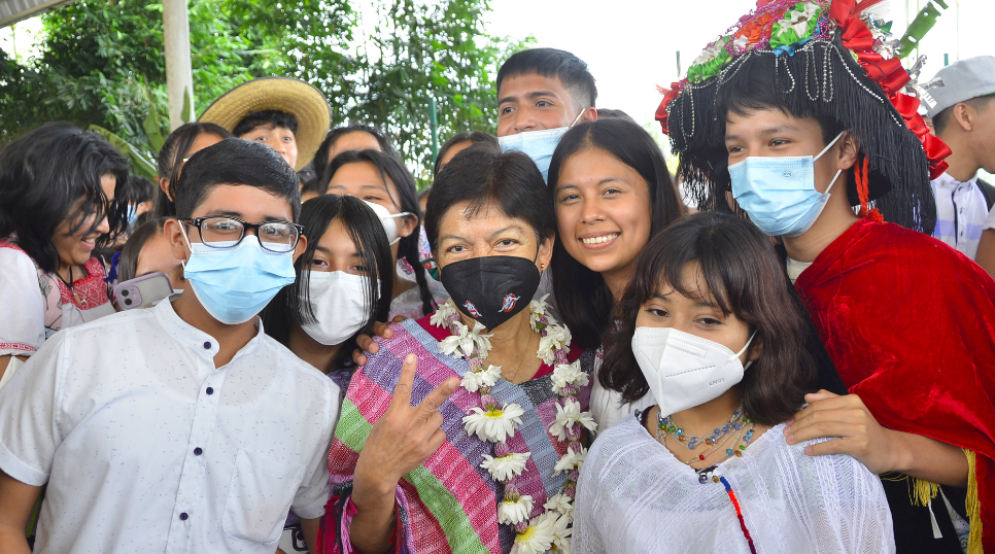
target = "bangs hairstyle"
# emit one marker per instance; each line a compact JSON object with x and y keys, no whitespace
{"x":170,"y":161}
{"x":292,"y":305}
{"x":320,"y":161}
{"x":740,"y":272}
{"x":584,"y":300}
{"x":407,"y":201}
{"x":473,"y":137}
{"x":51,"y":175}
{"x":240,"y":162}
{"x":127,"y":266}
{"x":266,"y":118}
{"x":482,"y":176}
{"x":554,"y":64}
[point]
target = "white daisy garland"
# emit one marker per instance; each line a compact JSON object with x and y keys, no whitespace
{"x":493,"y":422}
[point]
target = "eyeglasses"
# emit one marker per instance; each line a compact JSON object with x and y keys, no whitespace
{"x":220,"y":231}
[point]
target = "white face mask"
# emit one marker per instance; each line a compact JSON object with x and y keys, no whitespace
{"x":684,"y":371}
{"x":388,"y":221}
{"x":340,"y":305}
{"x":538,"y":145}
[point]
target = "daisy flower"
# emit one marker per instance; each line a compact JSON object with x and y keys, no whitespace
{"x":568,"y":374}
{"x":539,"y":536}
{"x":441,"y":317}
{"x":560,"y":503}
{"x":571,"y":460}
{"x":567,"y":414}
{"x":475,"y":380}
{"x":494,"y":424}
{"x":504,"y":468}
{"x":515,"y":511}
{"x":556,"y":338}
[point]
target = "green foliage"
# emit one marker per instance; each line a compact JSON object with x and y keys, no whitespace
{"x":103,"y":65}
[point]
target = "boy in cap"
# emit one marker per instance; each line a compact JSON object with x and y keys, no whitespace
{"x":959,"y":101}
{"x":288,"y":115}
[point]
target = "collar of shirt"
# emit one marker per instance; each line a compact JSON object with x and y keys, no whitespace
{"x":204,"y":344}
{"x":946,"y":181}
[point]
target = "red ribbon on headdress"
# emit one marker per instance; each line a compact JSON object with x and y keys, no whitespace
{"x":669,"y":95}
{"x":889,"y":75}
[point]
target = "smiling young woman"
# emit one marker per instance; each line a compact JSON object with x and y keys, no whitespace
{"x":57,"y":188}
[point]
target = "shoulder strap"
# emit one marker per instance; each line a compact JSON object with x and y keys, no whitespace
{"x":989,"y":192}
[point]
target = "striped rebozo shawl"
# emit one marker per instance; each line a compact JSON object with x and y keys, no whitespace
{"x":449,"y":503}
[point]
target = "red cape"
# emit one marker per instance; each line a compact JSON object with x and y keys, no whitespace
{"x":910,"y":324}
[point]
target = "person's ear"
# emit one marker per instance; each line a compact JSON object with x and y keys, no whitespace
{"x":545,"y":254}
{"x":164,"y":185}
{"x":407,"y":225}
{"x":756,"y":350}
{"x":849,"y":149}
{"x":301,"y":247}
{"x":964,"y":115}
{"x":174,"y":235}
{"x":590,"y":114}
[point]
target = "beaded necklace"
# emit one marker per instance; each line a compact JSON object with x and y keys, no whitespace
{"x":666,"y":425}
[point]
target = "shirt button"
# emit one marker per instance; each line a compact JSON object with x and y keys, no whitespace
{"x":207,"y":346}
{"x":183,"y":516}
{"x":197,"y":451}
{"x":210,"y":391}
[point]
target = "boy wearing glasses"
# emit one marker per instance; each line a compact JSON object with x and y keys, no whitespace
{"x":184,"y":427}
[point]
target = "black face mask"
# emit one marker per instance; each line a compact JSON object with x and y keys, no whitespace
{"x":491,"y":289}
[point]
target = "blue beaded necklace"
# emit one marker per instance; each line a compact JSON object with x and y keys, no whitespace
{"x":666,"y":425}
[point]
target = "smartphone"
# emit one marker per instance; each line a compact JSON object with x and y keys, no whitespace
{"x":141,"y":292}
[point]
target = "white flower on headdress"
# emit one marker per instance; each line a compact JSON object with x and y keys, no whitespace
{"x":503,"y":468}
{"x":474,"y":380}
{"x":561,"y":534}
{"x":740,"y":44}
{"x":798,"y":21}
{"x":561,"y":503}
{"x":710,"y":53}
{"x":539,"y":537}
{"x":557,"y":336}
{"x":494,"y":424}
{"x":571,"y":460}
{"x":567,"y":414}
{"x":512,"y":512}
{"x":568,"y":374}
{"x":441,"y":316}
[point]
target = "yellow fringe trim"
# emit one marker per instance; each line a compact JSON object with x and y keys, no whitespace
{"x":973,"y":507}
{"x":922,"y":491}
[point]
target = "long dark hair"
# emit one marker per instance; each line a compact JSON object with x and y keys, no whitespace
{"x":390,"y":168}
{"x":742,"y":274}
{"x":44,"y":174}
{"x":171,"y":160}
{"x":292,"y":305}
{"x":582,"y":297}
{"x":320,"y":161}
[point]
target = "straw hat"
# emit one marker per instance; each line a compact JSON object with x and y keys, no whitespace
{"x":292,"y":96}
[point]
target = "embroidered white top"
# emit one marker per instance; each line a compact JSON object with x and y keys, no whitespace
{"x":635,"y":497}
{"x":147,"y":447}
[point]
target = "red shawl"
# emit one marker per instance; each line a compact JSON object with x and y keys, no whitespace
{"x":910,"y":325}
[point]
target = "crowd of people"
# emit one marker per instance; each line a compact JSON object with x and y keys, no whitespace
{"x":284,"y":346}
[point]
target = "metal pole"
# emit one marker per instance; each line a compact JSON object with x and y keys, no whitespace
{"x":434,"y":120}
{"x":179,"y":75}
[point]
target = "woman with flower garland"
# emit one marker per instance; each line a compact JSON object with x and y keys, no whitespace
{"x":487,"y":461}
{"x":709,"y":330}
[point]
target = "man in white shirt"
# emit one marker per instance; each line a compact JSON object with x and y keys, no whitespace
{"x":183,"y":427}
{"x":959,"y":101}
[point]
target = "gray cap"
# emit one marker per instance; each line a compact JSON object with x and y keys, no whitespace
{"x":959,"y":82}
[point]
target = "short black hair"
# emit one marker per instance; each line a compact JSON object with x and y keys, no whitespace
{"x":170,"y":160}
{"x":553,"y":63}
{"x":608,"y":113}
{"x":292,"y":304}
{"x":44,"y":173}
{"x":320,"y":161}
{"x":743,"y":275}
{"x":475,"y":137}
{"x":584,"y":299}
{"x":480,"y":176}
{"x":942,"y":119}
{"x":273,"y":118}
{"x":236,"y":161}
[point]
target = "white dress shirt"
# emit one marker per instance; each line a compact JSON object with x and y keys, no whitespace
{"x":961,"y":211}
{"x":147,"y":447}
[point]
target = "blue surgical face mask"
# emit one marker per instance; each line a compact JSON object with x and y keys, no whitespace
{"x":234,"y":284}
{"x":538,"y":145}
{"x":779,"y":194}
{"x":132,"y":215}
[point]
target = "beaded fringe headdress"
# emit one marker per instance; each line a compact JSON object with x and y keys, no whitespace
{"x":832,"y":61}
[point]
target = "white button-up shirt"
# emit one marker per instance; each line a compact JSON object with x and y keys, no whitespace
{"x":147,"y":447}
{"x":961,"y":211}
